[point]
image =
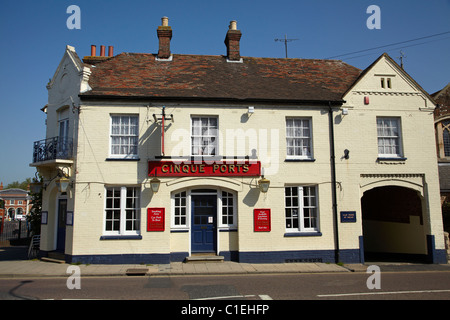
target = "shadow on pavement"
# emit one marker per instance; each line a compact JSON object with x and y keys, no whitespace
{"x":14,"y":253}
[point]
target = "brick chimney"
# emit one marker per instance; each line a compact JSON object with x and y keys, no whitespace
{"x":232,"y":42}
{"x":164,"y":35}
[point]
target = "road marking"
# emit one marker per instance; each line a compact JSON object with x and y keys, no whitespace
{"x":265,"y":297}
{"x":380,"y":292}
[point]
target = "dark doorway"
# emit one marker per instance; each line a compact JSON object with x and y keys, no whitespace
{"x":393,"y":225}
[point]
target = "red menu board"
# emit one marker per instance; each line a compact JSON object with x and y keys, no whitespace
{"x":155,"y":219}
{"x":261,"y":220}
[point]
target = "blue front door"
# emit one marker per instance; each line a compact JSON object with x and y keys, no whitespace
{"x":204,"y":213}
{"x":61,"y":232}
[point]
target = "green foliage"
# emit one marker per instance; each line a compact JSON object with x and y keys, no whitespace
{"x":34,"y":218}
{"x":19,"y":185}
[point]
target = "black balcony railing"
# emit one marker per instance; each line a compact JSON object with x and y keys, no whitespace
{"x":52,"y":149}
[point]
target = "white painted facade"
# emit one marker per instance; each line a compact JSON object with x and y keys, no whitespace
{"x":93,"y":171}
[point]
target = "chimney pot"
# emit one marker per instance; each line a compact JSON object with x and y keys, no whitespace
{"x":102,"y":51}
{"x":93,"y":50}
{"x":110,"y":51}
{"x":165,"y":21}
{"x":233,"y":25}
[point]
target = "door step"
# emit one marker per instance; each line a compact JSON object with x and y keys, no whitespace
{"x":200,"y":258}
{"x":56,"y":257}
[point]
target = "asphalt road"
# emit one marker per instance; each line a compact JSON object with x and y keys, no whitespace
{"x":424,"y":285}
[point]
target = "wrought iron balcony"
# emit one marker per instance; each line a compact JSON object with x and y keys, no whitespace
{"x":52,"y":149}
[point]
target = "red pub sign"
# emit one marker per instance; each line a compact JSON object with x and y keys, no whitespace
{"x":261,"y":220}
{"x":155,"y":219}
{"x":198,"y":169}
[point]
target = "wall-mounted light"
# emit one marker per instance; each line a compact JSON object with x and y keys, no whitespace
{"x":63,"y":184}
{"x":36,"y":187}
{"x":264,"y":184}
{"x":344,"y":111}
{"x":154,"y":184}
{"x":251,"y":109}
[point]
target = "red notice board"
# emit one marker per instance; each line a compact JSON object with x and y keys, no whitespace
{"x":261,"y":218}
{"x":155,"y":219}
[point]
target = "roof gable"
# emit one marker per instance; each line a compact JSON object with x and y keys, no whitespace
{"x":370,"y":80}
{"x":135,"y":75}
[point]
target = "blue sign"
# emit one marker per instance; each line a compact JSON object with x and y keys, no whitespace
{"x":348,"y":216}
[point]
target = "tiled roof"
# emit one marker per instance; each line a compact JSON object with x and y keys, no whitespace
{"x":136,"y":75}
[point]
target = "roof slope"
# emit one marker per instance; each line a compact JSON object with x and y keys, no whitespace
{"x":137,"y":75}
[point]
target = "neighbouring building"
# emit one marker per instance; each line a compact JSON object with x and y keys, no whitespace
{"x":17,"y":203}
{"x":442,"y":123}
{"x":154,"y":157}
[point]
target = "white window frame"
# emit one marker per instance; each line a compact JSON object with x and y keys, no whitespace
{"x":391,"y":137}
{"x":221,"y":205}
{"x":201,"y":136}
{"x":299,"y":138}
{"x":300,"y":209}
{"x":129,"y":145}
{"x":123,"y":211}
{"x":186,"y":208}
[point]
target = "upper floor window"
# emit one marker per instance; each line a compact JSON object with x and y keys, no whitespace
{"x":446,"y":137}
{"x":298,"y":138}
{"x":124,"y":136}
{"x":389,"y":137}
{"x":386,"y":83}
{"x":204,"y":136}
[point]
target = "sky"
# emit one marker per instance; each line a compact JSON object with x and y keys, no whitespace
{"x":34,"y":35}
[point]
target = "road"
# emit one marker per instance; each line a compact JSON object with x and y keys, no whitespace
{"x":329,"y":286}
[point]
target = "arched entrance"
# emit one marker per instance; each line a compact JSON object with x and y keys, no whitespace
{"x":393,"y":225}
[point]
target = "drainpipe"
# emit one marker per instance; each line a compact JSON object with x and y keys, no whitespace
{"x":333,"y":181}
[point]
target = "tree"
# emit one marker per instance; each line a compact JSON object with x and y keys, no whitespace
{"x":34,"y":218}
{"x":19,"y":185}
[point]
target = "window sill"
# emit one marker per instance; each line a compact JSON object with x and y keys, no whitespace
{"x":231,"y":229}
{"x":123,"y":159}
{"x":298,"y":160}
{"x":179,"y":230}
{"x":391,"y":159}
{"x":302,"y":234}
{"x":130,"y":237}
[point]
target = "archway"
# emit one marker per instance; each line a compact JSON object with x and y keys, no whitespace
{"x":393,"y":227}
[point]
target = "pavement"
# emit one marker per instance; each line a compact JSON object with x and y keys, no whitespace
{"x":14,"y":264}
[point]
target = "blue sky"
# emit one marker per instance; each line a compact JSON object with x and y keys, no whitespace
{"x":33,"y":36}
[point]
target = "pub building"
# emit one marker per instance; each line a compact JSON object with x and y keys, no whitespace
{"x":159,"y":157}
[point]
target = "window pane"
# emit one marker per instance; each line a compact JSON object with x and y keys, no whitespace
{"x":124,"y":135}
